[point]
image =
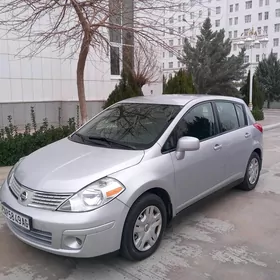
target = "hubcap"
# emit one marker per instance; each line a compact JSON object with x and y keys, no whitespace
{"x":253,"y":171}
{"x":147,"y":228}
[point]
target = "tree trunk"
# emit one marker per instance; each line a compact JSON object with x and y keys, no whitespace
{"x":80,"y":77}
{"x":268,"y":104}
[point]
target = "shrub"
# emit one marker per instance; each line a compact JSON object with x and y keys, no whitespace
{"x":258,"y":114}
{"x":126,"y":88}
{"x":14,"y":145}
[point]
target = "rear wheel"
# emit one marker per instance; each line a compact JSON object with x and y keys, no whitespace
{"x":252,"y":173}
{"x":144,"y":227}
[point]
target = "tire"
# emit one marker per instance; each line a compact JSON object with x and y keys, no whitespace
{"x":139,"y":213}
{"x":248,"y":184}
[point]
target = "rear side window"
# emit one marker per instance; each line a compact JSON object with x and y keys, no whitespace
{"x":198,"y":122}
{"x":240,"y":115}
{"x":227,"y":116}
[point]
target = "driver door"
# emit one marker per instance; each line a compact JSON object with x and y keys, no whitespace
{"x":201,"y":171}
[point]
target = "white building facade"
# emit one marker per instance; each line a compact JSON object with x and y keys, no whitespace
{"x":236,"y":17}
{"x":47,"y":80}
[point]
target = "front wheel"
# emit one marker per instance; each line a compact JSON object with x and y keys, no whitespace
{"x":252,"y":173}
{"x":144,"y":227}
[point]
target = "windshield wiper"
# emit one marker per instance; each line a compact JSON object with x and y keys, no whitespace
{"x":111,"y":142}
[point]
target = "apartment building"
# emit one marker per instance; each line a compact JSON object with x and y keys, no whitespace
{"x":237,"y":17}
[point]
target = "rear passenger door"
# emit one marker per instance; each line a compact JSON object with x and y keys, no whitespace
{"x":237,"y":139}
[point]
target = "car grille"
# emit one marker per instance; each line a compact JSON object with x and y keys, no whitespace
{"x":32,"y":235}
{"x":42,"y":200}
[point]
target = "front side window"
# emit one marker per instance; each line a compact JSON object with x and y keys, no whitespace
{"x":127,"y":125}
{"x":227,"y":116}
{"x":199,"y":122}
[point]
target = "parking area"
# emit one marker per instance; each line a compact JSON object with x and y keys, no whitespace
{"x":232,"y":235}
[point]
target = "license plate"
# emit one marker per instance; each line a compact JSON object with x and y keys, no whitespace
{"x":16,"y":218}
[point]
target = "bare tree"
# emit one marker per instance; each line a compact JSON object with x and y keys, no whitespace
{"x":146,"y":65}
{"x":82,"y":25}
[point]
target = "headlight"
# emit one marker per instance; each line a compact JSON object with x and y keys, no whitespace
{"x":93,"y":196}
{"x":11,"y":173}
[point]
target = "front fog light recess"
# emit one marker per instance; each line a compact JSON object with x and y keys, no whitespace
{"x":93,"y":196}
{"x":73,"y":242}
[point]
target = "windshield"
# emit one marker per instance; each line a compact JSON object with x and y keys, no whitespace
{"x":128,"y":125}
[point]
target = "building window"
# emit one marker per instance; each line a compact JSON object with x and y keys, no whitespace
{"x":171,"y":20}
{"x":246,"y":59}
{"x":115,"y":60}
{"x":235,"y":34}
{"x":217,"y":23}
{"x":218,"y":10}
{"x":231,"y":8}
{"x":170,"y":64}
{"x":200,"y":13}
{"x":163,"y":65}
{"x":209,"y":12}
{"x":265,"y":30}
{"x":248,"y":4}
{"x":183,"y":29}
{"x":170,"y":54}
{"x":266,"y":2}
{"x":171,"y":43}
{"x":246,"y":31}
{"x":275,"y":42}
{"x":230,"y":34}
{"x":257,"y":45}
{"x":257,"y":58}
{"x":266,"y":14}
{"x":179,"y":42}
{"x":263,"y":56}
{"x":179,"y":30}
{"x":237,"y":7}
{"x":234,"y":47}
{"x":179,"y":64}
{"x":277,"y":12}
{"x":277,"y":27}
{"x":230,"y":21}
{"x":171,"y":31}
{"x":179,"y":18}
{"x":192,"y":15}
{"x":260,"y":3}
{"x":163,"y":54}
{"x":260,"y":16}
{"x":236,"y":20}
{"x":259,"y":30}
{"x":248,"y":18}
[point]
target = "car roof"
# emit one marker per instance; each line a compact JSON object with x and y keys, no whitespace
{"x":177,"y":99}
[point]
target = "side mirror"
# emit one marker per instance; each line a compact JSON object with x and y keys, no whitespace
{"x":186,"y":144}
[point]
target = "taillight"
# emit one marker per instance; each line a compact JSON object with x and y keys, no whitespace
{"x":258,"y":127}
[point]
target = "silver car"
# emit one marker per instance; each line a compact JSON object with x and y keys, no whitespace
{"x":119,"y":180}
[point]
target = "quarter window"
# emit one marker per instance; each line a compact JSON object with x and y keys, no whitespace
{"x":240,"y":115}
{"x":198,"y":122}
{"x":227,"y":116}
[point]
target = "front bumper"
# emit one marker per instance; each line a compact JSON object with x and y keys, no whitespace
{"x":100,"y":231}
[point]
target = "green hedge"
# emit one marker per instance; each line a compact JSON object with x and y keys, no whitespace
{"x":14,"y":145}
{"x":258,"y":114}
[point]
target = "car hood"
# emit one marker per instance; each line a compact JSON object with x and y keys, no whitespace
{"x":66,"y":166}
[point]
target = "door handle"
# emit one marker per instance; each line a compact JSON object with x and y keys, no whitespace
{"x":247,"y":135}
{"x":217,"y":147}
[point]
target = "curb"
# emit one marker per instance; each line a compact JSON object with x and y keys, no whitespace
{"x":271,"y":126}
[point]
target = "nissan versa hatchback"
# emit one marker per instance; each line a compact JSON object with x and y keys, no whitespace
{"x":118,"y":180}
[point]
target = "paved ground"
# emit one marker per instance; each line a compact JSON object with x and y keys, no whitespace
{"x":233,"y":235}
{"x":272,"y":116}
